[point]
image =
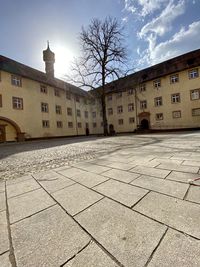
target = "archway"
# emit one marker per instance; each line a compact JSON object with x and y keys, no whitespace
{"x":144,"y":124}
{"x":7,"y":124}
{"x":144,"y":121}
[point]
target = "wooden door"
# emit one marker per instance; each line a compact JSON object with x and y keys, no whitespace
{"x":2,"y":133}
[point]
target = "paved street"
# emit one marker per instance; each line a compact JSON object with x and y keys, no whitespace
{"x":96,"y":202}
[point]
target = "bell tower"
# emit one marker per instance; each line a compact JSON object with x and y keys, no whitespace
{"x":49,"y":59}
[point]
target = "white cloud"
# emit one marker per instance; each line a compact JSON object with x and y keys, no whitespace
{"x":180,"y":43}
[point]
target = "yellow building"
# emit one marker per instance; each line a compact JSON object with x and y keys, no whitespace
{"x":34,"y":104}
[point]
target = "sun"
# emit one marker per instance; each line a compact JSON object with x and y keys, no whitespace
{"x":63,"y":60}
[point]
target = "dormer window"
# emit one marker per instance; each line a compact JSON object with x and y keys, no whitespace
{"x":16,"y":80}
{"x":157,"y":83}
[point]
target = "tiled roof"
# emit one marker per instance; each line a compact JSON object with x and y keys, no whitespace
{"x":22,"y":70}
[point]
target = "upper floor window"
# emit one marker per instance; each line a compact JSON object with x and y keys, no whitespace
{"x":157,"y":83}
{"x":56,"y":92}
{"x":58,"y":109}
{"x":45,"y":124}
{"x":142,"y":87}
{"x":159,"y":116}
{"x":16,"y":80}
{"x":120,"y":109}
{"x":85,"y":101}
{"x":120,"y":121}
{"x":158,"y":101}
{"x":86,"y":114}
{"x":143,"y":104}
{"x":59,"y":124}
{"x":77,"y":98}
{"x":78,"y":112}
{"x":0,"y":101}
{"x":69,"y":111}
{"x":130,"y":92}
{"x":130,"y":107}
{"x":68,"y":95}
{"x":119,"y":95}
{"x":43,"y":89}
{"x":109,"y":97}
{"x":194,"y":73}
{"x":175,"y":98}
{"x":70,"y":124}
{"x":174,"y":78}
{"x":79,"y":124}
{"x":196,"y":112}
{"x":94,"y":124}
{"x":110,"y":111}
{"x":94,"y":114}
{"x":195,"y":94}
{"x":17,"y":103}
{"x":44,"y":107}
{"x":131,"y":120}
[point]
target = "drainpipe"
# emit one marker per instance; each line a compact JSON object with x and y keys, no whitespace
{"x":75,"y":115}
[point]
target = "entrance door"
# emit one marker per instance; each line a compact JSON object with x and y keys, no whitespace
{"x":2,"y":133}
{"x":145,"y":124}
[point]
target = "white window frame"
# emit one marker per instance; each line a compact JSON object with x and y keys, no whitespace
{"x":175,"y":98}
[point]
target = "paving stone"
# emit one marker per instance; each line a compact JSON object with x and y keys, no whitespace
{"x":55,"y":184}
{"x":191,"y":163}
{"x":19,"y":179}
{"x":4,"y":242}
{"x":46,"y":175}
{"x":120,"y":175}
{"x":89,"y":179}
{"x":150,"y":171}
{"x":128,"y":236}
{"x":175,"y":167}
{"x":179,"y":214}
{"x":2,"y":201}
{"x":71,"y":172}
{"x":177,"y":249}
{"x":121,"y":166}
{"x":181,"y":176}
{"x":173,"y":161}
{"x":194,"y":194}
{"x":162,"y":185}
{"x":4,"y":260}
{"x":61,"y":168}
{"x":76,"y":198}
{"x":2,"y":187}
{"x":101,"y":162}
{"x":27,"y":204}
{"x":47,"y":239}
{"x":124,"y":193}
{"x":92,"y":167}
{"x":22,"y":187}
{"x":92,"y":256}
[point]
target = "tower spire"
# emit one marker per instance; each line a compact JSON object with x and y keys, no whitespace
{"x":49,"y":59}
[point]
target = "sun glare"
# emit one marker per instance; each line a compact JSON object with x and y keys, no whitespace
{"x":63,"y":60}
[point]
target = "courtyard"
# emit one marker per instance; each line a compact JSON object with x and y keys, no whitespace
{"x":126,"y":200}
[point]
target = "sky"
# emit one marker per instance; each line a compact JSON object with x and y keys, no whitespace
{"x":155,"y":30}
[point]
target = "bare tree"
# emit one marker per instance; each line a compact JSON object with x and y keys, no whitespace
{"x":103,"y":59}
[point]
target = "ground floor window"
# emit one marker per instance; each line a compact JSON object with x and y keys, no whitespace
{"x":196,"y":112}
{"x":176,"y":114}
{"x":159,"y":116}
{"x":45,"y":124}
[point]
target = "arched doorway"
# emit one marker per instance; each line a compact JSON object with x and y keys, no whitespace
{"x":10,"y":131}
{"x":144,"y":124}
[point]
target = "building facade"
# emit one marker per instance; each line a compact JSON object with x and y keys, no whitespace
{"x":34,"y":104}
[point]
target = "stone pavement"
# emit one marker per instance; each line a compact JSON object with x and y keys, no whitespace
{"x":131,"y":207}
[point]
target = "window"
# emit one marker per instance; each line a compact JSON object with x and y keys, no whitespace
{"x":159,"y":116}
{"x":130,"y":92}
{"x":86,"y":114}
{"x":143,"y":104}
{"x":45,"y":124}
{"x":131,"y":120}
{"x":157,"y":83}
{"x":93,"y":114}
{"x":70,"y":124}
{"x":94,"y":124}
{"x":0,"y":101}
{"x":196,"y":112}
{"x":68,"y":95}
{"x":43,"y":89}
{"x":120,"y":121}
{"x":77,"y":98}
{"x":58,"y":109}
{"x":79,"y":125}
{"x":195,"y":94}
{"x":109,"y":97}
{"x":194,"y":73}
{"x":143,"y":87}
{"x":86,"y":125}
{"x":130,"y":107}
{"x":110,"y":111}
{"x":158,"y":101}
{"x":174,"y":78}
{"x":175,"y":98}
{"x":119,"y":95}
{"x":69,"y":111}
{"x":56,"y":92}
{"x":16,"y":80}
{"x":120,"y":109}
{"x":78,"y":112}
{"x":59,"y":124}
{"x":176,"y":114}
{"x":85,"y":101}
{"x":17,"y":103}
{"x":44,"y":107}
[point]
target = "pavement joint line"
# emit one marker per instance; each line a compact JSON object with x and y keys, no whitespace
{"x":176,"y":170}
{"x":186,"y":193}
{"x":62,"y":187}
{"x":88,"y":233}
{"x":24,"y":193}
{"x":140,"y":199}
{"x":167,"y":175}
{"x":33,"y":214}
{"x":84,"y":247}
{"x":12,"y":258}
{"x":155,"y":249}
{"x":1,"y":254}
{"x":101,"y":182}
